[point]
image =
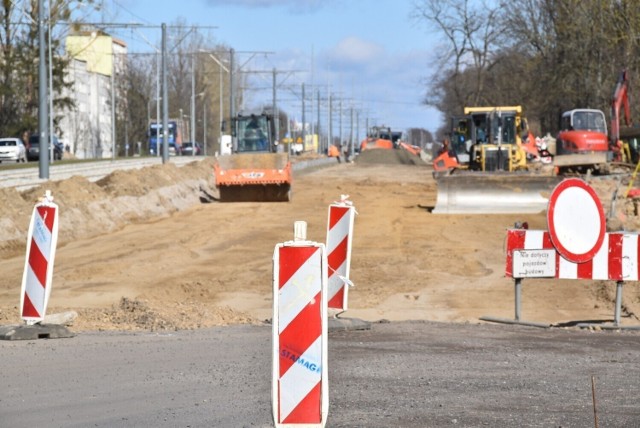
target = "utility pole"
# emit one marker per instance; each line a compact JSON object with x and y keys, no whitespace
{"x":165,"y":98}
{"x":232,"y":93}
{"x":318,"y":120}
{"x":204,"y":125}
{"x":220,"y":92}
{"x":330,"y":137}
{"x":276,"y":116}
{"x":232,"y":86}
{"x":304,"y":130}
{"x":157,"y":153}
{"x":193,"y":104}
{"x":43,"y":118}
{"x":51,"y":129}
{"x":358,"y":126}
{"x":340,"y":121}
{"x":351,"y":135}
{"x":113,"y":106}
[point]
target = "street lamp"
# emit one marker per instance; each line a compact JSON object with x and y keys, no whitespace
{"x":204,"y":125}
{"x":222,"y":67}
{"x":193,"y":117}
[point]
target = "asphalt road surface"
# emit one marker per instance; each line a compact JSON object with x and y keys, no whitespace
{"x":410,"y":374}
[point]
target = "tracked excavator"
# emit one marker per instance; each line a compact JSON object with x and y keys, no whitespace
{"x":483,"y":168}
{"x":583,"y":143}
{"x":255,"y":171}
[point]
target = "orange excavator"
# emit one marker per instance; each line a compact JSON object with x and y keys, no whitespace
{"x":623,"y":139}
{"x":583,"y":142}
{"x":255,"y":170}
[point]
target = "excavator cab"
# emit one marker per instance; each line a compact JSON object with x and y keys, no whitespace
{"x":582,"y":131}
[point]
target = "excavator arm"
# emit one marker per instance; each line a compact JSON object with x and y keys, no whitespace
{"x":619,"y":100}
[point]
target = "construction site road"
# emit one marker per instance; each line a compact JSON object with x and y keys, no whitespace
{"x":399,"y":374}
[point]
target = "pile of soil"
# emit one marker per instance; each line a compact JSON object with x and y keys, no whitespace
{"x":123,"y":197}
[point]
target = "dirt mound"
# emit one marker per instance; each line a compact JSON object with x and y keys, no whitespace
{"x":141,"y":182}
{"x":15,"y":213}
{"x":389,"y":157}
{"x":123,"y":197}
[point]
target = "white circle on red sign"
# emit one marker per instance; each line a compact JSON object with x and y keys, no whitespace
{"x":576,"y":220}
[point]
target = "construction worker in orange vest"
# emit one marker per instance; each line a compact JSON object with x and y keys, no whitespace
{"x":334,"y":152}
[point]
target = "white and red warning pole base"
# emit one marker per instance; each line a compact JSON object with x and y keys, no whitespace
{"x":300,"y":390}
{"x":38,"y":268}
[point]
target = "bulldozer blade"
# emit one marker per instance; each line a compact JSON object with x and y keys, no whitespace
{"x":493,"y":193}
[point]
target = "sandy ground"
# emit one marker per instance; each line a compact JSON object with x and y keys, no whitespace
{"x":140,"y":250}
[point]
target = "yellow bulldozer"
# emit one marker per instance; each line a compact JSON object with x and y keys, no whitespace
{"x":487,"y":139}
{"x":483,"y":166}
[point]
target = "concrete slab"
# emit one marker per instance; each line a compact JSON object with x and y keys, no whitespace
{"x":33,"y":332}
{"x":348,"y":324}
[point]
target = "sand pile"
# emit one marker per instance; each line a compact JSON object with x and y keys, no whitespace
{"x":123,"y":197}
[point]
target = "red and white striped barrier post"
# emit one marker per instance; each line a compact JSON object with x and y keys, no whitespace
{"x":300,"y":394}
{"x":38,"y":268}
{"x":617,"y":259}
{"x":339,"y":237}
{"x":576,"y":246}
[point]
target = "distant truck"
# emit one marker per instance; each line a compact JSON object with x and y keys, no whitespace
{"x":177,"y":129}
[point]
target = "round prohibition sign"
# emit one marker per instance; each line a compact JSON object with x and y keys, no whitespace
{"x":576,"y":220}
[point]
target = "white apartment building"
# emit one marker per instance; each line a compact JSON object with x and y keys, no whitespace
{"x":97,"y":63}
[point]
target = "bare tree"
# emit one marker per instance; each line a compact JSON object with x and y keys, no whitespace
{"x":471,"y":32}
{"x":547,"y":55}
{"x":575,"y":50}
{"x":19,"y":65}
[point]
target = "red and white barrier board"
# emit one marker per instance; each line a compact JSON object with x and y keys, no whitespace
{"x":618,"y":258}
{"x":339,"y":236}
{"x":38,"y":269}
{"x":300,"y":378}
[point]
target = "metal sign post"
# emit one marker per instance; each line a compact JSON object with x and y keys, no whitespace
{"x":576,"y":246}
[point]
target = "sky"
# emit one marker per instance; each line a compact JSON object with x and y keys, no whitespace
{"x":370,"y":54}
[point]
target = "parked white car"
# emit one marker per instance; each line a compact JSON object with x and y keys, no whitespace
{"x":12,"y":149}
